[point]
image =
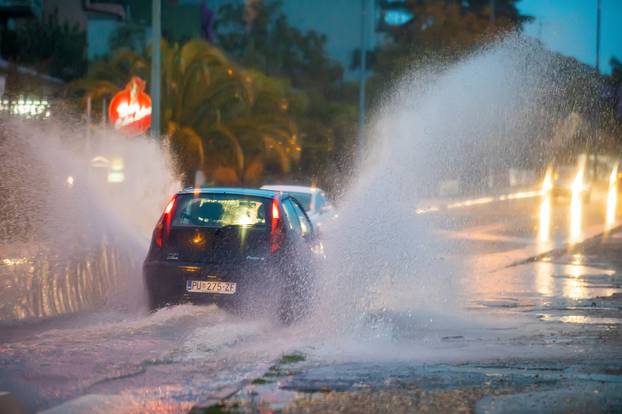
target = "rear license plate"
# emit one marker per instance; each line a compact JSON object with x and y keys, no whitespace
{"x":204,"y":286}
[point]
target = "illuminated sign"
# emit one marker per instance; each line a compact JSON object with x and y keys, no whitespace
{"x":26,"y":108}
{"x":397,"y":17}
{"x":130,"y":109}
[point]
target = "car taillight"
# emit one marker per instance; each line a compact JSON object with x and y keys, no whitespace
{"x":163,"y":228}
{"x":276,"y":233}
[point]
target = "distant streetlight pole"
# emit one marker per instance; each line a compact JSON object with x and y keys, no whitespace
{"x":156,"y":26}
{"x":598,"y":36}
{"x":595,"y":168}
{"x":88,"y":126}
{"x":362,"y":70}
{"x":492,"y":11}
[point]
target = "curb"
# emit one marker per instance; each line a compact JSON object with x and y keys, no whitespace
{"x":565,"y":248}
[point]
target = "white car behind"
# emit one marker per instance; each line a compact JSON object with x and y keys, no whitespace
{"x":313,"y":200}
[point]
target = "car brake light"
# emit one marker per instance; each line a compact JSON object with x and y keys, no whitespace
{"x":163,"y":228}
{"x":276,"y":214}
{"x":276,"y":234}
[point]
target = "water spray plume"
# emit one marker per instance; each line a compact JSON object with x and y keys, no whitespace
{"x":388,"y":270}
{"x":612,"y":197}
{"x":576,"y":202}
{"x":78,"y":222}
{"x":544,"y":232}
{"x":384,"y":255}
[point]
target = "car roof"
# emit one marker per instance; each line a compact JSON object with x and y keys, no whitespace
{"x":292,"y":188}
{"x":253,"y":192}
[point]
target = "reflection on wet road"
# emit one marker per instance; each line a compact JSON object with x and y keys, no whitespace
{"x":43,"y":282}
{"x":179,"y":355}
{"x":557,"y":306}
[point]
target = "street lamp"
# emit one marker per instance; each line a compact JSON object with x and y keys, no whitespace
{"x":156,"y":26}
{"x":598,"y":36}
{"x":493,"y":11}
{"x":362,"y":74}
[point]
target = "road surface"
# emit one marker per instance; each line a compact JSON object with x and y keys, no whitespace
{"x":525,"y":329}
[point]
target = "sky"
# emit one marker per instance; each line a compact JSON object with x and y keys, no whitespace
{"x":569,"y":27}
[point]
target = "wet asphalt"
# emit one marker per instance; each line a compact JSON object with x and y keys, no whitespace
{"x":563,"y":354}
{"x":539,"y":335}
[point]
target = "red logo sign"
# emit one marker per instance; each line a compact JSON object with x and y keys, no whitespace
{"x":130,"y":109}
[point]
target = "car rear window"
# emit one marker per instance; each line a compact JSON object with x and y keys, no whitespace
{"x":220,"y":210}
{"x":303,"y":198}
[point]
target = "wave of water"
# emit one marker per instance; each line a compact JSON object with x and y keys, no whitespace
{"x":70,"y":246}
{"x":71,"y":240}
{"x":389,"y":288}
{"x":489,"y":111}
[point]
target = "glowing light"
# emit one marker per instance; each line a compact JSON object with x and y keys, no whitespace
{"x":318,"y":249}
{"x":612,"y":197}
{"x":427,"y":210}
{"x":26,"y":108}
{"x":545,"y":282}
{"x":574,"y":288}
{"x":576,"y":203}
{"x":198,"y":238}
{"x":577,"y":259}
{"x":129,"y":113}
{"x":397,"y":17}
{"x":467,"y":203}
{"x":116,"y":164}
{"x":245,"y":220}
{"x":480,"y":201}
{"x":70,"y":181}
{"x":115,"y":173}
{"x":544,"y":231}
{"x":130,"y":109}
{"x":276,"y":235}
{"x":169,"y":206}
{"x":100,"y":162}
{"x":15,"y":261}
{"x":115,"y":177}
{"x":275,"y":211}
{"x":523,"y":194}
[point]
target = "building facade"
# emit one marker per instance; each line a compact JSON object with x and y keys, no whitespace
{"x":348,"y":25}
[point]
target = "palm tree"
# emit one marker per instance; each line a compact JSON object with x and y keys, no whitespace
{"x":229,"y":122}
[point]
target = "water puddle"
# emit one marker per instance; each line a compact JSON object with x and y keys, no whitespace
{"x":580,"y":319}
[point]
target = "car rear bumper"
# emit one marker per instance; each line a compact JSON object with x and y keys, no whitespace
{"x":167,"y":280}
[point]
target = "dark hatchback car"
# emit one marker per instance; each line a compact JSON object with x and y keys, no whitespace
{"x":234,"y":247}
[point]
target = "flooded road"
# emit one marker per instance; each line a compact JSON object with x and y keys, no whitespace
{"x":177,"y":356}
{"x":563,"y":307}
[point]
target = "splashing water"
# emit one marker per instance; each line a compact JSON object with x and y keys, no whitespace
{"x":612,"y":198}
{"x":73,"y":237}
{"x":489,"y":112}
{"x":463,"y":121}
{"x":544,"y":231}
{"x":74,"y":232}
{"x":576,"y":202}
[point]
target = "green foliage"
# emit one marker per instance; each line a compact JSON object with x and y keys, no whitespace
{"x":453,"y":27}
{"x":441,"y":31}
{"x":271,"y":45}
{"x":233,"y":124}
{"x":291,"y":359}
{"x":219,"y":408}
{"x":616,"y":71}
{"x":257,"y":34}
{"x":51,"y":47}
